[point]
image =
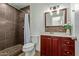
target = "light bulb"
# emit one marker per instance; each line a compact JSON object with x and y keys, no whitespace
{"x":51,"y":12}
{"x":58,"y":10}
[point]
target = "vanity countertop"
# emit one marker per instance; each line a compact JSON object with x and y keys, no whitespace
{"x":64,"y":35}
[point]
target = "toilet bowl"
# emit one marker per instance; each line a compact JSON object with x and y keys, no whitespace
{"x":29,"y":49}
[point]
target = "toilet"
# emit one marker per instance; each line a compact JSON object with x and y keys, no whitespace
{"x":29,"y":49}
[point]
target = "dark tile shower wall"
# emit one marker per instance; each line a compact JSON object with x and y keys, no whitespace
{"x":20,"y":34}
{"x":8,"y":23}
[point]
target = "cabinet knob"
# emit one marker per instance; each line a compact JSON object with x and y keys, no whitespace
{"x":48,"y":38}
{"x":67,"y":42}
{"x":68,"y":52}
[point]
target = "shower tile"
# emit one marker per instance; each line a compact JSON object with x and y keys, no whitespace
{"x":2,"y":45}
{"x":9,"y":44}
{"x":8,"y":23}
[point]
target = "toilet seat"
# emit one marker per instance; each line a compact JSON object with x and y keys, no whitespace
{"x":28,"y":45}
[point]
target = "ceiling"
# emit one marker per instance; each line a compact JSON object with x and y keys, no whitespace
{"x":19,"y":5}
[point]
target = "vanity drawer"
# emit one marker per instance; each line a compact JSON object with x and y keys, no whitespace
{"x":68,"y":48}
{"x":68,"y":42}
{"x":68,"y":53}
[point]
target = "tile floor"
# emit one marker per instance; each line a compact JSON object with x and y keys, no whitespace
{"x":36,"y":54}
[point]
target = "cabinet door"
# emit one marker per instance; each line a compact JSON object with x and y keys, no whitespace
{"x":45,"y":45}
{"x":55,"y":45}
{"x":48,"y":42}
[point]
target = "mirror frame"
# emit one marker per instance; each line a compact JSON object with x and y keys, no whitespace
{"x":56,"y":28}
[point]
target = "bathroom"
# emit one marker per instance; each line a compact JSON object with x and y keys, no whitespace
{"x":13,"y":28}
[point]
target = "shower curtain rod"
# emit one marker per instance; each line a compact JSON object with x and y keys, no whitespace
{"x":22,"y":11}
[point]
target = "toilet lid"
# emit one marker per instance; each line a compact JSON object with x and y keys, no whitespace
{"x":28,"y":45}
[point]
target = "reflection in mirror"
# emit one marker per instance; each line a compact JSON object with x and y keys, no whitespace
{"x":56,"y":21}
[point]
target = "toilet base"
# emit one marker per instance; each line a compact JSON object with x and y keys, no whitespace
{"x":29,"y":49}
{"x":30,"y":53}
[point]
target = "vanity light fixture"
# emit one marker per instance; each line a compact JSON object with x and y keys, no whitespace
{"x":55,"y":8}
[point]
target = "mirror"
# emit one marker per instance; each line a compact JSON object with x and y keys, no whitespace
{"x":56,"y":19}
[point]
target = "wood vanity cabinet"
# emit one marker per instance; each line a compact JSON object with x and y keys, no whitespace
{"x":57,"y":46}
